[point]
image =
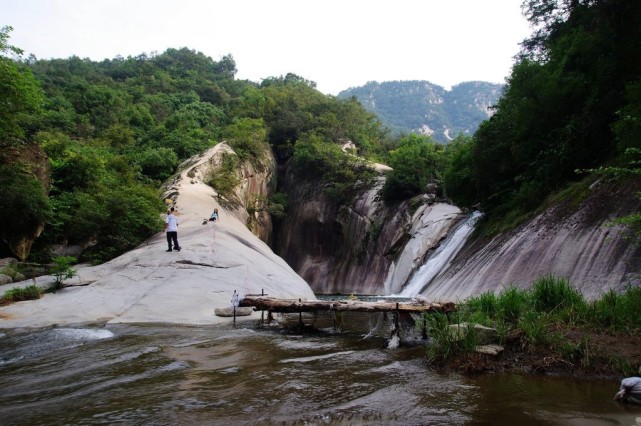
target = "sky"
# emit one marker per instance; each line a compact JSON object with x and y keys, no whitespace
{"x":336,"y":43}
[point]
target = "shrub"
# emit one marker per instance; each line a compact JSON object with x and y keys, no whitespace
{"x":225,"y":179}
{"x":25,"y":205}
{"x":17,"y":294}
{"x":342,"y":175}
{"x":62,"y":269}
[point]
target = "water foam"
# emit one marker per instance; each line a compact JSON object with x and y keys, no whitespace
{"x":441,"y":258}
{"x":314,"y":358}
{"x":83,"y":334}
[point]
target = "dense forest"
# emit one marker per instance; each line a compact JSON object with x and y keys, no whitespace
{"x":113,"y":131}
{"x":572,"y":103}
{"x":86,"y":145}
{"x":426,"y":108}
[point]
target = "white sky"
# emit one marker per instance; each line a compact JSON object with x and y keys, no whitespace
{"x":336,"y":43}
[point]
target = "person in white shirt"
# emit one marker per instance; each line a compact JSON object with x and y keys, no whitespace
{"x":171,"y":226}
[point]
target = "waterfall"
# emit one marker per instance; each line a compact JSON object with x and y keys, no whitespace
{"x":440,"y":258}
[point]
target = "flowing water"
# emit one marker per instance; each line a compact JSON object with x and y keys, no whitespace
{"x":441,"y":257}
{"x":246,"y":374}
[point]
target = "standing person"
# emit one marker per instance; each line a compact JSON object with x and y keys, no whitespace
{"x":171,"y":226}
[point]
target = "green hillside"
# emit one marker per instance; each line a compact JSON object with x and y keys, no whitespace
{"x":426,"y":108}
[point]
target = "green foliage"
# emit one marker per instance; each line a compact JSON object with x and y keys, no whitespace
{"x":415,"y":161}
{"x":225,"y":179}
{"x":25,"y":205}
{"x":459,"y":172}
{"x":62,"y":269}
{"x":20,"y":93}
{"x":541,"y":316}
{"x":292,"y":108}
{"x":620,"y":312}
{"x":341,"y":174}
{"x":248,"y":138}
{"x":445,"y":342}
{"x":113,"y":129}
{"x":157,"y":163}
{"x":19,"y":294}
{"x":409,"y":106}
{"x":552,"y":294}
{"x":571,"y":102}
{"x":122,"y":217}
{"x":277,"y":205}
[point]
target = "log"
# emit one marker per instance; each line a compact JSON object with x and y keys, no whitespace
{"x":261,"y":303}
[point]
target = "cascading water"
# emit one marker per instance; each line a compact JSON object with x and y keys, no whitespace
{"x":441,"y":258}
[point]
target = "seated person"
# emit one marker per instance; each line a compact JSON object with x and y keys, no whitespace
{"x":214,"y":216}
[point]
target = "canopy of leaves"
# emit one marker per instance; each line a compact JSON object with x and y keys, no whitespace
{"x":20,"y":93}
{"x":572,"y":102}
{"x":415,"y":161}
{"x":114,"y":130}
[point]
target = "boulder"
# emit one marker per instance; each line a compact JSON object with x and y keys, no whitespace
{"x":7,"y":261}
{"x":489,"y":349}
{"x":5,"y":279}
{"x":484,"y":335}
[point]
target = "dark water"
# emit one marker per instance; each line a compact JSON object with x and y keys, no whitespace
{"x":168,"y":375}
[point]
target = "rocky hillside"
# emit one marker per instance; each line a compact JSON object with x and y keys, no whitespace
{"x":365,"y":248}
{"x":149,"y":284}
{"x":370,"y":248}
{"x":423,"y":107}
{"x":569,"y":240}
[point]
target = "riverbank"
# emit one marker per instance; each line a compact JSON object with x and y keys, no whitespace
{"x":587,"y":355}
{"x":549,"y":329}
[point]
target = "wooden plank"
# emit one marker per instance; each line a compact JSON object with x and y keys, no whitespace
{"x":261,"y":303}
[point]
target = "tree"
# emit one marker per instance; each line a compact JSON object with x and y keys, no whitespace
{"x":414,"y":161}
{"x":25,"y":204}
{"x":248,"y":138}
{"x":157,"y":163}
{"x":20,"y":93}
{"x":459,"y":173}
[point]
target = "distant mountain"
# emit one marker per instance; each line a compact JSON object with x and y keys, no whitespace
{"x":423,"y":107}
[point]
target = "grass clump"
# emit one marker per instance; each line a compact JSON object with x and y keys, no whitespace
{"x":19,"y":294}
{"x":446,"y":340}
{"x":546,"y":317}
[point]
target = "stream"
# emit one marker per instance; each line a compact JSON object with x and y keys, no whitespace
{"x":245,"y":374}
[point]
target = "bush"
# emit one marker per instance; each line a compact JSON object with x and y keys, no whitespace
{"x":25,"y":205}
{"x":342,"y":175}
{"x":17,"y":294}
{"x":62,"y":269}
{"x":225,"y":179}
{"x":415,"y":161}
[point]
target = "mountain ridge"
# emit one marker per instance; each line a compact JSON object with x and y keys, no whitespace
{"x":420,"y":106}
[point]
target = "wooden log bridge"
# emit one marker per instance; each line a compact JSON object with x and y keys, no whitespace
{"x":264,"y":303}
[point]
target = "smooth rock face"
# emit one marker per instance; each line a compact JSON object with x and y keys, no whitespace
{"x":565,"y":241}
{"x":149,"y":284}
{"x":368,"y":248}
